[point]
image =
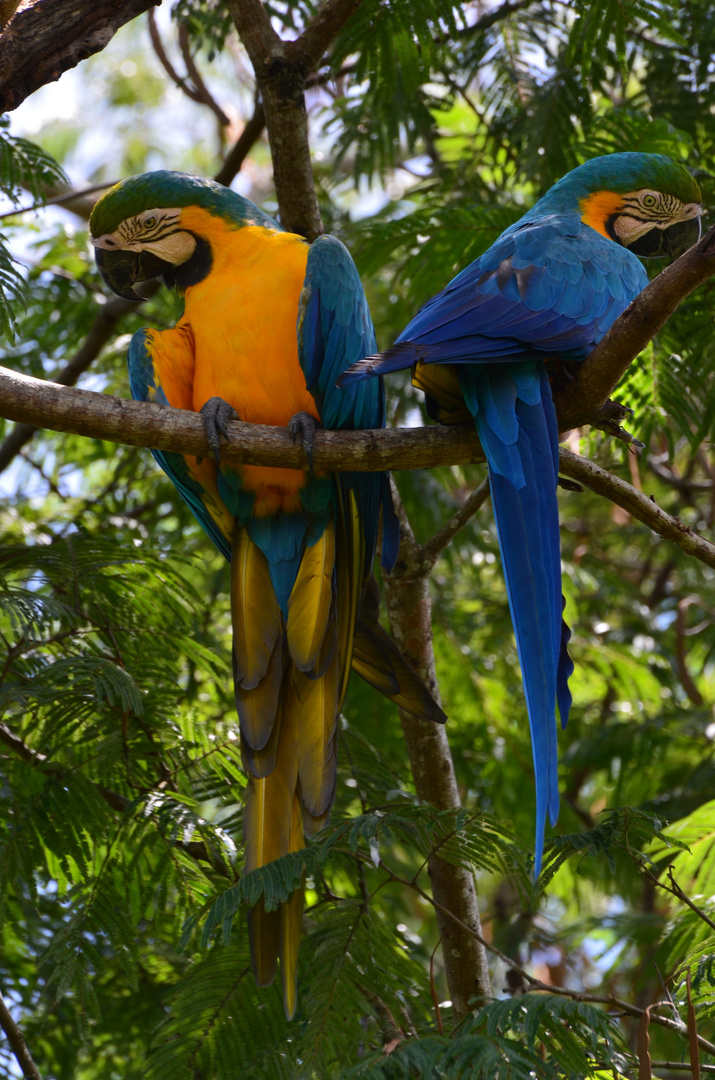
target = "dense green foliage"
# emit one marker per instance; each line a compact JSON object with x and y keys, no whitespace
{"x":123,"y":905}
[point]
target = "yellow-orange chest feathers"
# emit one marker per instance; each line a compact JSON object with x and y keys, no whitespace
{"x":243,"y":319}
{"x":598,"y":208}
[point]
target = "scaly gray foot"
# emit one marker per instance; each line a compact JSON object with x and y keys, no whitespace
{"x":215,"y":415}
{"x":305,"y":425}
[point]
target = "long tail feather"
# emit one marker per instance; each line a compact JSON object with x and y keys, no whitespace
{"x":258,"y":661}
{"x":310,"y":603}
{"x":526,"y":513}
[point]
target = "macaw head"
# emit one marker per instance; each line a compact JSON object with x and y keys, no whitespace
{"x":648,"y":203}
{"x":164,"y":224}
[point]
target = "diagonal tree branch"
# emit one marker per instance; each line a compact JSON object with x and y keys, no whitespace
{"x":322,"y":30}
{"x":637,"y":503}
{"x":17,"y":1043}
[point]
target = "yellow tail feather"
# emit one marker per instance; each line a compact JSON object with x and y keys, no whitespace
{"x":310,"y":602}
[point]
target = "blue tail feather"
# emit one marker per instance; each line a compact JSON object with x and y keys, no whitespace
{"x":527,"y":524}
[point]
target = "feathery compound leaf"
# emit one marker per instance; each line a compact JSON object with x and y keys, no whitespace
{"x":625,"y":828}
{"x":23,"y":164}
{"x":219,"y":1024}
{"x":546,"y":1036}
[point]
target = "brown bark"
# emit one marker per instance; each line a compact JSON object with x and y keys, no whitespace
{"x":47,"y":37}
{"x":409,"y":607}
{"x":637,"y":503}
{"x":280,"y":73}
{"x":281,"y":69}
{"x":16,"y":1041}
{"x":35,"y":403}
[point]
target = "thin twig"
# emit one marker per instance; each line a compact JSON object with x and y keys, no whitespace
{"x":57,"y":200}
{"x":203,"y":94}
{"x":538,"y":985}
{"x":446,"y":534}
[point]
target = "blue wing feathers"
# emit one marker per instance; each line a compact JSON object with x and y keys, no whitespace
{"x":334,"y":331}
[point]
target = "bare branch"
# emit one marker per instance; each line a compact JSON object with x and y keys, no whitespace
{"x":536,"y":985}
{"x":34,"y":403}
{"x":17,"y":1043}
{"x":66,"y":199}
{"x":47,"y":37}
{"x":136,"y":423}
{"x":640,"y":505}
{"x":198,"y":93}
{"x":163,"y":58}
{"x":322,"y":30}
{"x":243,"y":146}
{"x":203,"y":94}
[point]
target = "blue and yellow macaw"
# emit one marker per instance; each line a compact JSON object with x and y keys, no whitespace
{"x":269,"y":324}
{"x":548,"y":289}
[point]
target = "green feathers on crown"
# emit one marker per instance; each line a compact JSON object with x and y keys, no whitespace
{"x":622,"y":173}
{"x":164,"y":189}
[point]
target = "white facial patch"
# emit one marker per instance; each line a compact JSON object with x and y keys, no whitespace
{"x":645,"y":209}
{"x":157,"y":231}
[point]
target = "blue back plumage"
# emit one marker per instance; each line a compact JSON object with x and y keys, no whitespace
{"x":335,"y":331}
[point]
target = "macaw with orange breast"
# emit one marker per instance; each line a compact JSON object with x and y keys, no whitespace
{"x":269,"y":324}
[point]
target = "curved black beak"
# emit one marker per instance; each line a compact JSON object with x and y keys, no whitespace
{"x":670,"y":242}
{"x":120,"y":270}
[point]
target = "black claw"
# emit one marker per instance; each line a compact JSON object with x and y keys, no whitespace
{"x":305,"y":425}
{"x":215,"y":415}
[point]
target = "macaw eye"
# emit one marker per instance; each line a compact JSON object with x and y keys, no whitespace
{"x":648,"y":200}
{"x":150,"y":222}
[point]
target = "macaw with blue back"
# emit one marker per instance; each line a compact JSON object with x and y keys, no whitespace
{"x":269,"y":324}
{"x":547,"y":290}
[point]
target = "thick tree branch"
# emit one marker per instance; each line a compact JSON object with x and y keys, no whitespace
{"x":602,"y":370}
{"x":34,"y":403}
{"x":17,"y":1043}
{"x":47,"y":37}
{"x":409,"y":606}
{"x":281,"y":77}
{"x":281,"y":68}
{"x":135,"y":423}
